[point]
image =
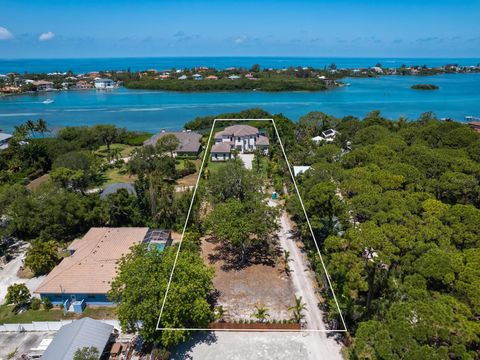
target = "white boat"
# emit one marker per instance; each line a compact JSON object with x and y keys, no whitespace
{"x":48,"y":101}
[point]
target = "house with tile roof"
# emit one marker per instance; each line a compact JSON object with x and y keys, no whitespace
{"x":243,"y":138}
{"x":85,"y":277}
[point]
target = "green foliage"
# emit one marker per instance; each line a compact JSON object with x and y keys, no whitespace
{"x":141,"y":284}
{"x":42,"y":257}
{"x":246,"y":227}
{"x":403,"y":254}
{"x":18,"y":295}
{"x":35,"y":304}
{"x":87,"y":353}
{"x":122,"y":209}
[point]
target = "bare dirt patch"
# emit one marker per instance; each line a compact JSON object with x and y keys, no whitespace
{"x":254,"y":285}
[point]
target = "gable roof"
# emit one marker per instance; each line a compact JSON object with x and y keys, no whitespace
{"x":222,"y":147}
{"x":237,"y":130}
{"x":93,"y":265}
{"x":189,"y":140}
{"x":81,"y":333}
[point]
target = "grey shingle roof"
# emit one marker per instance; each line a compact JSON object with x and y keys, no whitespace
{"x":4,"y":136}
{"x":237,"y":130}
{"x":81,"y":333}
{"x":221,"y":148}
{"x":189,"y":140}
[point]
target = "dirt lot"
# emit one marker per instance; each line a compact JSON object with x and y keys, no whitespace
{"x":256,"y":285}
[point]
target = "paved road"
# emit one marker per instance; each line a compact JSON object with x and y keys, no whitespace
{"x":247,"y":160}
{"x":216,"y":345}
{"x":303,"y":281}
{"x":8,"y":274}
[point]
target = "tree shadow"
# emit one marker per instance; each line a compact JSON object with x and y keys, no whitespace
{"x":183,"y":351}
{"x":259,"y":254}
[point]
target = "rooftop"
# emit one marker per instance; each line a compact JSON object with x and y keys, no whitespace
{"x":189,"y":140}
{"x":93,"y":265}
{"x":81,"y":333}
{"x":237,"y":130}
{"x":222,"y":147}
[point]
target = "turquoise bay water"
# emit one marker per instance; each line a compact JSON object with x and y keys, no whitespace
{"x":458,"y":96}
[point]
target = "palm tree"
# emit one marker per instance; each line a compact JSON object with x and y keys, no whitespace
{"x":286,"y":258}
{"x":30,"y":125}
{"x":297,"y":309}
{"x":41,"y":126}
{"x":220,"y":313}
{"x":261,"y":313}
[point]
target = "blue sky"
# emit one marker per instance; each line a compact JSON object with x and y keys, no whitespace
{"x":85,"y":28}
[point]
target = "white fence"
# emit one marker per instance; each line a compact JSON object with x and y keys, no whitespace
{"x":45,"y":325}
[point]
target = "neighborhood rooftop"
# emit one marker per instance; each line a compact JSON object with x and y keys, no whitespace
{"x":189,"y":140}
{"x":93,"y":264}
{"x":79,"y":334}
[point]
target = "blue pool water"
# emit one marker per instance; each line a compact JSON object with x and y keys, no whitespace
{"x":458,"y":96}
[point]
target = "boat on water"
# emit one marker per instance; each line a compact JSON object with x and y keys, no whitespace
{"x":48,"y":101}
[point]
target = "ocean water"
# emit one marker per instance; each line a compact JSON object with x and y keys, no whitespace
{"x":82,"y":65}
{"x":149,"y":110}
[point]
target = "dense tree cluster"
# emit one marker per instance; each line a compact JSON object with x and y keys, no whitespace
{"x":395,"y":209}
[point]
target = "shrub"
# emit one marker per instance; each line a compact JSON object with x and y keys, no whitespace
{"x":35,"y":303}
{"x":47,"y":304}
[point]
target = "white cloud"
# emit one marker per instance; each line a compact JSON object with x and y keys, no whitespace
{"x":46,"y":36}
{"x":5,"y":34}
{"x":240,"y":39}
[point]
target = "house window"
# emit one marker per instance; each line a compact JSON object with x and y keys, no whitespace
{"x":238,"y":139}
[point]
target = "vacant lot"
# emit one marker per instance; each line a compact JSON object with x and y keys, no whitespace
{"x":255,"y":285}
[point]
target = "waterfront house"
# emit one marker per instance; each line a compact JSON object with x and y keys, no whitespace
{"x":82,"y":84}
{"x":77,"y":335}
{"x":105,"y":83}
{"x":234,"y":77}
{"x":85,"y":277}
{"x":4,"y":138}
{"x":183,"y":77}
{"x":189,"y":142}
{"x":475,"y":125}
{"x":211,"y":77}
{"x":42,"y":85}
{"x":243,"y":138}
{"x":197,"y":77}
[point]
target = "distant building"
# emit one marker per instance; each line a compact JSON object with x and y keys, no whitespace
{"x":4,"y":138}
{"x":211,"y":77}
{"x":105,"y":83}
{"x":327,"y":136}
{"x":475,"y":125}
{"x":183,"y":77}
{"x":85,"y":277}
{"x":79,"y":334}
{"x":243,"y":138}
{"x":297,"y":170}
{"x":234,"y":77}
{"x":189,"y":142}
{"x":42,"y":85}
{"x":197,"y":77}
{"x":82,"y":84}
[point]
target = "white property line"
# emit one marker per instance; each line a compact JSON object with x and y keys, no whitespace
{"x":309,"y":226}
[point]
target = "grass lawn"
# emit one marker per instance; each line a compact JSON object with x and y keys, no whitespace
{"x":116,"y":176}
{"x":124,"y":150}
{"x":8,"y":316}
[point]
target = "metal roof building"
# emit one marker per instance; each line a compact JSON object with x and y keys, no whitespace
{"x":81,"y":333}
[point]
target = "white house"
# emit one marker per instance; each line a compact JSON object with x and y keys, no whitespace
{"x":243,"y":138}
{"x":183,"y":77}
{"x":4,"y":140}
{"x":297,"y":170}
{"x":327,"y":135}
{"x":105,"y":83}
{"x":197,"y":77}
